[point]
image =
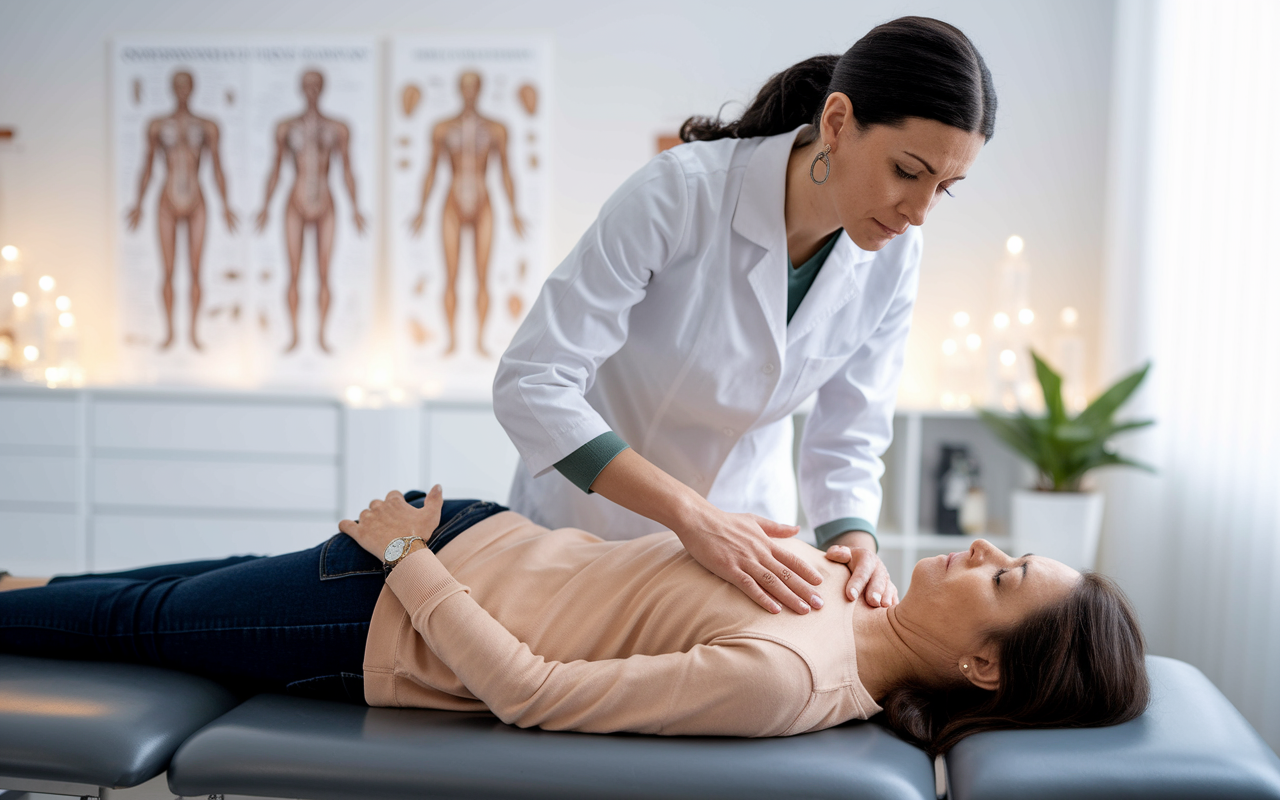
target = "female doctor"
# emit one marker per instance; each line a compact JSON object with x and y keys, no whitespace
{"x":652,"y":384}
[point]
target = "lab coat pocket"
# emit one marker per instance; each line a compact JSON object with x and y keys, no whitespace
{"x":814,"y":372}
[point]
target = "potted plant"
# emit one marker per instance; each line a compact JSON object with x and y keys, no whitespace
{"x":1059,"y":519}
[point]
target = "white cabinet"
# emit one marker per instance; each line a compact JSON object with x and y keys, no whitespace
{"x":42,"y":483}
{"x":41,"y":543}
{"x":36,"y":478}
{"x":124,"y":542}
{"x":235,"y":485}
{"x":37,"y":419}
{"x":192,"y":426}
{"x":108,"y":479}
{"x":103,"y":479}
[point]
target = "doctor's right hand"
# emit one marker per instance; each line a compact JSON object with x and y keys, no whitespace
{"x":740,"y":548}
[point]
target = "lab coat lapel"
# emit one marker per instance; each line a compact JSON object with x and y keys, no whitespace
{"x":760,"y":218}
{"x":840,"y":280}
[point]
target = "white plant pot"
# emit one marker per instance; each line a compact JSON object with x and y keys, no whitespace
{"x":1061,"y":525}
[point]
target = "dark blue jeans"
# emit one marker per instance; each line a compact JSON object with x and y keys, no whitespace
{"x":295,"y":623}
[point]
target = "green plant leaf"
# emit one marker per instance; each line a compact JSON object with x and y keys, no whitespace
{"x":1050,"y":459}
{"x":1051,"y":386}
{"x":1124,"y":427}
{"x":1062,"y":449}
{"x":1072,"y":432}
{"x":1116,"y":460}
{"x":1101,"y":410}
{"x":1013,"y":433}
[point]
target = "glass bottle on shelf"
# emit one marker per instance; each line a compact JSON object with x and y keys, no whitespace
{"x":957,"y":475}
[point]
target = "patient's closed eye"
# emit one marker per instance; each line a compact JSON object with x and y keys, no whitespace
{"x":1002,"y":570}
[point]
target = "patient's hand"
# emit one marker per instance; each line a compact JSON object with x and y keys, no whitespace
{"x":392,"y":518}
{"x":868,"y":577}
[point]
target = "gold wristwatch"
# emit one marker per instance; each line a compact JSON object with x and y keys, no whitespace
{"x":398,"y":549}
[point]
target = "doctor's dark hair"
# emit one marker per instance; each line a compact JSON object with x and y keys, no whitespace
{"x":1076,"y":664}
{"x":910,"y":67}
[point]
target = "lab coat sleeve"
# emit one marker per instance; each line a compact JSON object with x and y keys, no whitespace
{"x":852,"y":420}
{"x":581,"y":316}
{"x":735,"y":685}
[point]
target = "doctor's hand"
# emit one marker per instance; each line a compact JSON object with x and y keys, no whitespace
{"x":740,"y":548}
{"x":868,"y":577}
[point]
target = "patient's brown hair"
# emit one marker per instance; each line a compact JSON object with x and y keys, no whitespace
{"x":1077,"y":664}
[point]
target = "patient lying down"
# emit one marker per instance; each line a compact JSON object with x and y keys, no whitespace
{"x":564,"y":631}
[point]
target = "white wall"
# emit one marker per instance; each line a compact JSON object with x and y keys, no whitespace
{"x":622,"y":72}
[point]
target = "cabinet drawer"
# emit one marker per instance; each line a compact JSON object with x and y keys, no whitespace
{"x":38,"y":479}
{"x":34,"y":544}
{"x":217,"y":427}
{"x":215,"y":485}
{"x":47,"y":422}
{"x":127,"y":542}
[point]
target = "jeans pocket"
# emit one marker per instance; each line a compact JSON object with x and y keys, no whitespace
{"x":342,"y":557}
{"x":344,"y":687}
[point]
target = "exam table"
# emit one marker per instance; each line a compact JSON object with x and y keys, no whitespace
{"x":86,"y":729}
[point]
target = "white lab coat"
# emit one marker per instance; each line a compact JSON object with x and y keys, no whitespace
{"x":667,"y":324}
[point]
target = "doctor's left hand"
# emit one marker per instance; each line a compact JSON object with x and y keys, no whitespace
{"x":868,"y":575}
{"x":392,"y":518}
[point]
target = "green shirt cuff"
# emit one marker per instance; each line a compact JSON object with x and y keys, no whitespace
{"x":585,"y":464}
{"x":825,"y":533}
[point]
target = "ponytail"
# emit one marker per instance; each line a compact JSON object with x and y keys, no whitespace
{"x":785,"y":102}
{"x":910,"y":67}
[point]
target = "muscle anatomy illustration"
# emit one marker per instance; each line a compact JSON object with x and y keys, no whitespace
{"x":311,"y":140}
{"x":468,"y":140}
{"x":183,"y":138}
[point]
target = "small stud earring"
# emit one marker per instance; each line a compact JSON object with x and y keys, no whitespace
{"x":965,"y":666}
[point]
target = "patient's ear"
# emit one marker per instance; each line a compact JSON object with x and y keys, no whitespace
{"x":981,"y":670}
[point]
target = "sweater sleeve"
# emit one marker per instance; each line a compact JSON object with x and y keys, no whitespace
{"x":735,"y":686}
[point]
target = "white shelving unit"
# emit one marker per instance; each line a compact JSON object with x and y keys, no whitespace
{"x":906,"y":522}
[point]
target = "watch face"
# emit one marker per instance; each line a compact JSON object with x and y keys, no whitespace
{"x":394,"y":550}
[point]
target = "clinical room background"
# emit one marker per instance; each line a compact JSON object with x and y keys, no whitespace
{"x":1132,"y":159}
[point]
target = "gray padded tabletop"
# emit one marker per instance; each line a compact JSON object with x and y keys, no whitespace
{"x":113,"y":725}
{"x":1191,"y":743}
{"x":275,"y":746}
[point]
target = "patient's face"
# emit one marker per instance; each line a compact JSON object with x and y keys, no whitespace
{"x":957,"y":599}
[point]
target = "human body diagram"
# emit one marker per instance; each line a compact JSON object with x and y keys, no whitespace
{"x":311,"y":140}
{"x":469,"y":139}
{"x":183,"y":138}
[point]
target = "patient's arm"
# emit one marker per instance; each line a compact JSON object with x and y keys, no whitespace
{"x":735,"y":686}
{"x":8,"y":582}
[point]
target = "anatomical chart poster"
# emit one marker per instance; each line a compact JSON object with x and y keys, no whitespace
{"x":246,"y":180}
{"x":468,"y":141}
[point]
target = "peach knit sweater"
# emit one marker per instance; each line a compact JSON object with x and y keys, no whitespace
{"x":561,"y":630}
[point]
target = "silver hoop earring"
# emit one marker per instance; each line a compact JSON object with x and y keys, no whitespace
{"x":822,"y":156}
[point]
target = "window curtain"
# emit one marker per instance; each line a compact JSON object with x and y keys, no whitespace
{"x":1193,"y":283}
